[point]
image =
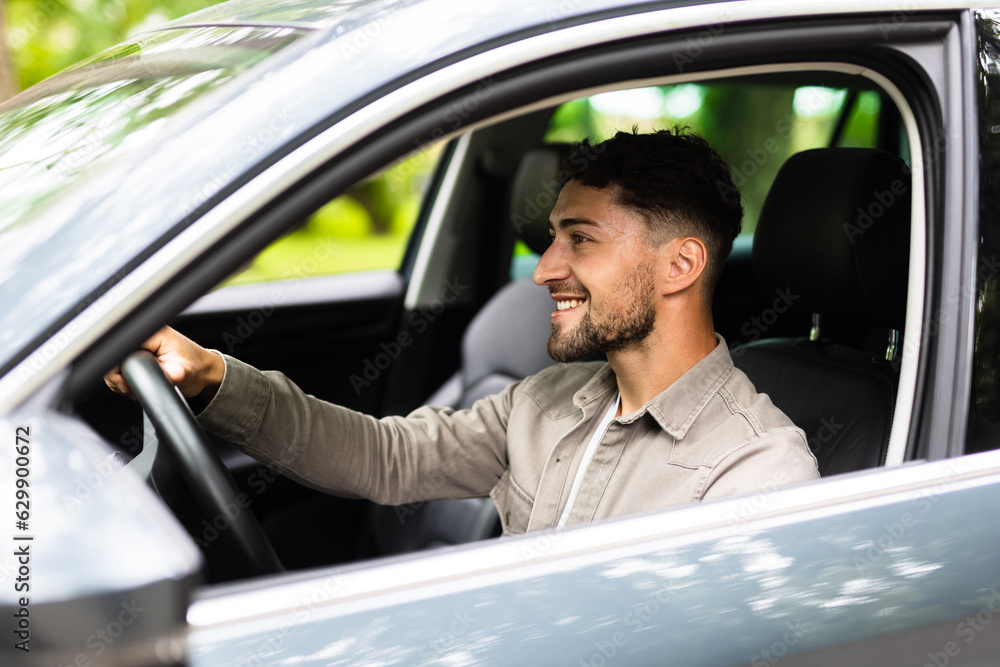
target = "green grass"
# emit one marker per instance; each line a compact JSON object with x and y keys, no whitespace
{"x":305,"y":255}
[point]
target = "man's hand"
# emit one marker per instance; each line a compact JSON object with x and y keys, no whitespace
{"x":195,"y":370}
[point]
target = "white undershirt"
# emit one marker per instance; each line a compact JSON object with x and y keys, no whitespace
{"x":588,"y":455}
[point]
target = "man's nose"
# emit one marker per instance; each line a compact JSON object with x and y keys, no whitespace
{"x":551,"y":266}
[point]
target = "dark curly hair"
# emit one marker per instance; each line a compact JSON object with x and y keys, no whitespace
{"x":675,"y":180}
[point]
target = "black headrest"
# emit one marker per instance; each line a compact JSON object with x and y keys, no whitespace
{"x":534,"y":192}
{"x":835,"y":232}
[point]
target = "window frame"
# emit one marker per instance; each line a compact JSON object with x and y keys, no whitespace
{"x":258,"y":227}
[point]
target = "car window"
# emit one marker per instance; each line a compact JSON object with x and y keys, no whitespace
{"x":984,"y":406}
{"x":366,"y":228}
{"x":755,"y":123}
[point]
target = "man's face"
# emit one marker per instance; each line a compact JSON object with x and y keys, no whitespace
{"x":600,"y":271}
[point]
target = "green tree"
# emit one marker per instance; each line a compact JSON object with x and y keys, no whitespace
{"x":46,"y":36}
{"x":751,"y":127}
{"x":7,"y":85}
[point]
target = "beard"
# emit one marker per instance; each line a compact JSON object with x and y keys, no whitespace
{"x":626,"y":322}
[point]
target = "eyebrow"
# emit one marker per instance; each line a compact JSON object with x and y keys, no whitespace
{"x":570,"y":222}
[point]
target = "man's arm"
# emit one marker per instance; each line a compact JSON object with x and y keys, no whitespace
{"x":763,"y":465}
{"x":431,"y":453}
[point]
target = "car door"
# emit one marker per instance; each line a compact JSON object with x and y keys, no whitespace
{"x":840,"y":567}
{"x":885,"y":566}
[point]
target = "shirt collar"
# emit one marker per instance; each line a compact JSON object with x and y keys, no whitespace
{"x":676,"y":407}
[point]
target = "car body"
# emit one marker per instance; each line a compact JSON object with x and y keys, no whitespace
{"x":247,"y":118}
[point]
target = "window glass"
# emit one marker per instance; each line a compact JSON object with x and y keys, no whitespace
{"x":53,"y":133}
{"x":365,"y":229}
{"x":984,"y":409}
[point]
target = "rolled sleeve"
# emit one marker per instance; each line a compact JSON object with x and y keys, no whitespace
{"x":431,"y":453}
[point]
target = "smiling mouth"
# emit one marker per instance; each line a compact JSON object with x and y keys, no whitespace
{"x":566,"y":304}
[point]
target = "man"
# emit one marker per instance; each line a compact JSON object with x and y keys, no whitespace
{"x":640,"y":232}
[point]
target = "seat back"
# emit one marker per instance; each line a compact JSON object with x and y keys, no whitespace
{"x":505,"y":342}
{"x":833,"y":239}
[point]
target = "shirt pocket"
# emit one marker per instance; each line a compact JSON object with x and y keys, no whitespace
{"x":513,"y":505}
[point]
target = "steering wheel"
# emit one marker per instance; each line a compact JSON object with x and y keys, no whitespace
{"x":190,"y":453}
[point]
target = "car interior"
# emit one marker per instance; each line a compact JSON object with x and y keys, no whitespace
{"x":811,"y":301}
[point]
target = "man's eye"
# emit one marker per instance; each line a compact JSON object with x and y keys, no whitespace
{"x":579,"y":239}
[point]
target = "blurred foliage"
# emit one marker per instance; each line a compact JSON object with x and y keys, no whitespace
{"x":46,"y":36}
{"x":754,"y":126}
{"x":364,"y":229}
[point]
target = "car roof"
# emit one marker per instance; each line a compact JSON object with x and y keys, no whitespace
{"x":323,"y":14}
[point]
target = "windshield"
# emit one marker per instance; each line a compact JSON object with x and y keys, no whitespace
{"x":55,"y":134}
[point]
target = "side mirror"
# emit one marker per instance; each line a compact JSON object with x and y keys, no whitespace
{"x":94,"y":570}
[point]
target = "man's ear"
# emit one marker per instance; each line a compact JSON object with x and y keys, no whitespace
{"x":682,"y":261}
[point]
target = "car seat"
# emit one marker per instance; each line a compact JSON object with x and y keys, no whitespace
{"x":834,"y":235}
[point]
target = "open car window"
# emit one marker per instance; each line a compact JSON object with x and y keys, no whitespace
{"x":368,"y":228}
{"x":783,"y":114}
{"x":755,"y":123}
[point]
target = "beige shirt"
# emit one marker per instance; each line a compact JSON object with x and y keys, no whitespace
{"x":708,"y":435}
